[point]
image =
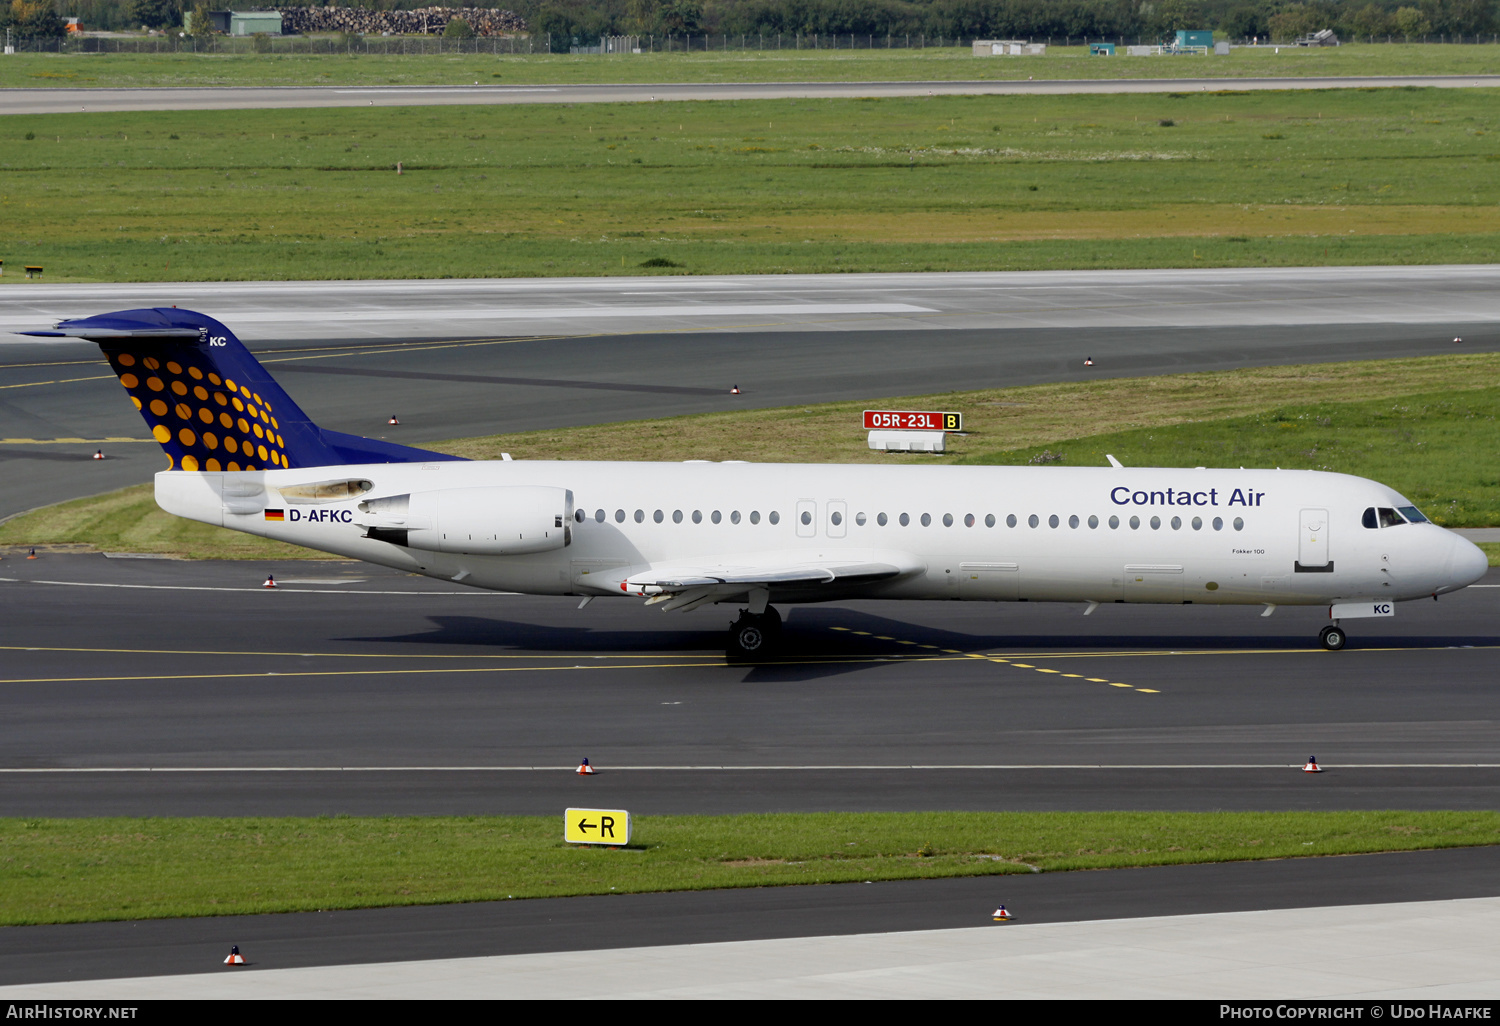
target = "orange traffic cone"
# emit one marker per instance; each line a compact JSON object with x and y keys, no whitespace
{"x":32,"y":554}
{"x":1001,"y":915}
{"x":235,"y":958}
{"x":393,"y":420}
{"x":98,"y":454}
{"x":270,"y":582}
{"x":584,"y":769}
{"x":1457,"y":339}
{"x":1312,"y":765}
{"x":734,"y":389}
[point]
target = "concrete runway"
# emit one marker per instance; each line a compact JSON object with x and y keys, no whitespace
{"x":63,"y":101}
{"x":88,"y":951}
{"x":363,"y":691}
{"x":605,"y":350}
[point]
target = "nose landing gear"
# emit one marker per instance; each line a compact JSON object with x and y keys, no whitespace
{"x":754,"y":637}
{"x":1332,"y":637}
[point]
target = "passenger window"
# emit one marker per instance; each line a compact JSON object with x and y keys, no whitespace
{"x":1369,"y":518}
{"x":881,"y":519}
{"x":1135,"y":523}
{"x":835,"y":518}
{"x":578,"y":515}
{"x":1033,"y":520}
{"x":806,"y":517}
{"x":677,"y":516}
{"x":968,"y":520}
{"x":734,"y":517}
{"x":1093,"y":522}
{"x":904,"y":519}
{"x":1239,"y":524}
{"x":1197,"y":523}
{"x":1114,"y":523}
{"x":989,"y":520}
{"x":1176,"y":523}
{"x":1413,"y":514}
{"x":1073,"y":521}
{"x":772,"y":517}
{"x":1218,"y":523}
{"x":859,"y":518}
{"x":619,"y":516}
{"x":698,"y":517}
{"x":755,"y":516}
{"x":1389,"y":517}
{"x":1156,"y":523}
{"x":599,"y":516}
{"x":716,"y":516}
{"x":640,"y":516}
{"x":947,"y":519}
{"x":657,"y":516}
{"x":1052,"y":521}
{"x":926,"y":519}
{"x":1010,"y":521}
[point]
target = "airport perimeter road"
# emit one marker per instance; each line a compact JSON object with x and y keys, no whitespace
{"x":153,"y":687}
{"x":63,"y":101}
{"x":624,"y":924}
{"x":604,"y":350}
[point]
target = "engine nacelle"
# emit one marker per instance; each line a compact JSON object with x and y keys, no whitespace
{"x":501,"y":521}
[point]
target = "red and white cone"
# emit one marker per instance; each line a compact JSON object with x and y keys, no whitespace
{"x":1312,"y":765}
{"x":1000,"y":914}
{"x":235,"y":958}
{"x":584,"y":769}
{"x":1088,"y":361}
{"x":270,"y":582}
{"x":98,"y":454}
{"x":1457,"y":339}
{"x":393,"y":420}
{"x":734,"y":389}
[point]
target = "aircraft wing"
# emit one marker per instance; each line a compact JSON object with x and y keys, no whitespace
{"x":686,"y":586}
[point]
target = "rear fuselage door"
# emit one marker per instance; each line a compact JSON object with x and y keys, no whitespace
{"x":1312,"y":545}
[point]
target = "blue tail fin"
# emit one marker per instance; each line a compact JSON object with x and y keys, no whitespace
{"x":210,"y":404}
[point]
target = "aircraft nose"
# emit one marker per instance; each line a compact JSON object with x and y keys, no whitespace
{"x":1467,"y":562}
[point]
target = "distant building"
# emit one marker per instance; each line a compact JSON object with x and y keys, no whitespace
{"x":1008,"y":48}
{"x":1323,"y":37}
{"x":245,"y":23}
{"x":1195,"y":37}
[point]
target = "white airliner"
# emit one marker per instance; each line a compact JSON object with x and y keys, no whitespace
{"x":680,"y":535}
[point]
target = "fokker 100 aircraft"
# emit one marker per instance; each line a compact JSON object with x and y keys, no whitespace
{"x":242,"y":455}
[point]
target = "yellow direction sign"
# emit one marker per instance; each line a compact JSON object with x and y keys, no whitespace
{"x":596,"y":826}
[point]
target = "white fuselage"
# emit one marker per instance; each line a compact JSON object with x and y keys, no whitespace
{"x":984,"y":533}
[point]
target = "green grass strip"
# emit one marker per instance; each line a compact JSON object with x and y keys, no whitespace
{"x":74,"y":870}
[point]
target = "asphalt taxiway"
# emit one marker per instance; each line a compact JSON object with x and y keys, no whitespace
{"x":67,"y":101}
{"x":155,"y":687}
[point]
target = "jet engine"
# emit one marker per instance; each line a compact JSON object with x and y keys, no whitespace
{"x":500,"y":521}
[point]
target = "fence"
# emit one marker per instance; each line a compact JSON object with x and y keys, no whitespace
{"x":542,"y":43}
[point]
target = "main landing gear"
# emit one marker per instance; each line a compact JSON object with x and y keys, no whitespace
{"x":1332,"y":637}
{"x":754,"y":637}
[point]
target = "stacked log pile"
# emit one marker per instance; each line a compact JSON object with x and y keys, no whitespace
{"x":425,"y":20}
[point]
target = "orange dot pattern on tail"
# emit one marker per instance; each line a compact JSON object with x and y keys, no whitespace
{"x":187,"y":407}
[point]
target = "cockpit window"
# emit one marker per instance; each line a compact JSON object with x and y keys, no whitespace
{"x":1369,"y":518}
{"x":1389,"y":517}
{"x":1413,"y":514}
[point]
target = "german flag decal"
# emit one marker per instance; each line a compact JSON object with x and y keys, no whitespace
{"x":275,"y":514}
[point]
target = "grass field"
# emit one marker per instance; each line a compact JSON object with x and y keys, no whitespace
{"x":72,"y":870}
{"x":935,"y":64}
{"x":1424,"y":426}
{"x":932,"y":183}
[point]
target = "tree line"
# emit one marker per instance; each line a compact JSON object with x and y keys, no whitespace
{"x":586,"y":20}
